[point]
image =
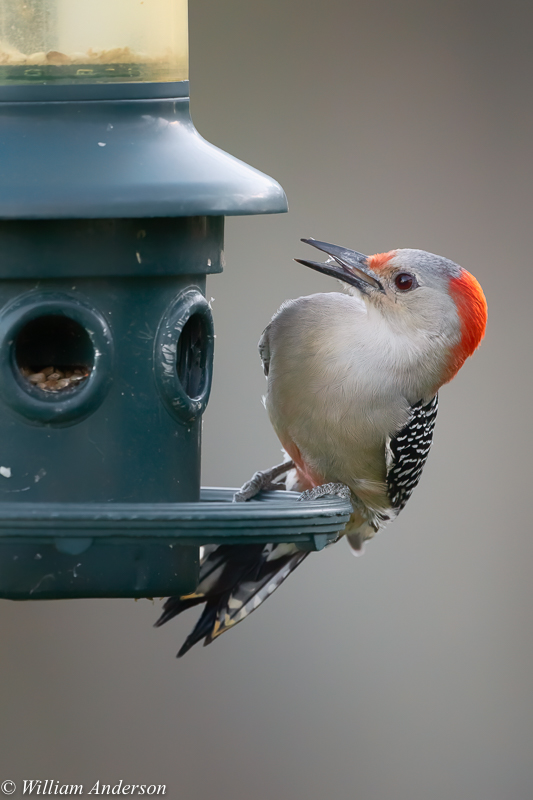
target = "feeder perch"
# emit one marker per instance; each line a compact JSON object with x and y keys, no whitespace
{"x":112,"y":214}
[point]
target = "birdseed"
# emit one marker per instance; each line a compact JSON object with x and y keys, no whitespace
{"x":53,"y":379}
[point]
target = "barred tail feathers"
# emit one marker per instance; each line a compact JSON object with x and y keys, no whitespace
{"x":234,"y":581}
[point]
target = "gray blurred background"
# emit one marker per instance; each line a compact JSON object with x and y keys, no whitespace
{"x":406,"y":674}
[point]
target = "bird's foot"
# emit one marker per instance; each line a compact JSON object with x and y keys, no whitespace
{"x":327,"y":490}
{"x":262,"y":481}
{"x":340,"y":489}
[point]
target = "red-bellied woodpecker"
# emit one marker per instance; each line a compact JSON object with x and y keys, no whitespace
{"x":352,"y":395}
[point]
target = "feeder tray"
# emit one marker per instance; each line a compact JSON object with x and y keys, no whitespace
{"x":68,"y":550}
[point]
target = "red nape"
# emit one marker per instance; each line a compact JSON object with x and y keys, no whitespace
{"x":472,"y":310}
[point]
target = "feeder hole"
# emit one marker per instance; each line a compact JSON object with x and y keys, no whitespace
{"x":191,"y":356}
{"x":54,"y":353}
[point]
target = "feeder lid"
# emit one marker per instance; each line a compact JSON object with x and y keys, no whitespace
{"x":100,"y":156}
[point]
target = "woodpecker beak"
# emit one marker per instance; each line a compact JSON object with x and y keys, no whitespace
{"x":350,"y":267}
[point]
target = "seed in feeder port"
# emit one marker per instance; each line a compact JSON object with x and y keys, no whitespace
{"x":51,"y":379}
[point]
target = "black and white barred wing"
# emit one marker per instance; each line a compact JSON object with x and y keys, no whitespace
{"x":264,"y":350}
{"x":407,"y":453}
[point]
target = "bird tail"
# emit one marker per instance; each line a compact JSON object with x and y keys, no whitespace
{"x":234,"y":581}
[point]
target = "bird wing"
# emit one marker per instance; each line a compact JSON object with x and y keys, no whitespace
{"x":408,"y":450}
{"x":264,"y":350}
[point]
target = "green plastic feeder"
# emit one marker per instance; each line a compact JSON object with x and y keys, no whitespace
{"x":112,"y":214}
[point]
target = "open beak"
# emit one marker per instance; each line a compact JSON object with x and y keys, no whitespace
{"x":348,"y":266}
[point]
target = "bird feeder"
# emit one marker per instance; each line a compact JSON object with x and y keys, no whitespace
{"x":112,"y":214}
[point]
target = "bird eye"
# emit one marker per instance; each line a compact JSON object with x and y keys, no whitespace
{"x":405,"y":281}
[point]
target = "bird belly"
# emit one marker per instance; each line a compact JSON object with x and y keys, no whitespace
{"x":331,"y":442}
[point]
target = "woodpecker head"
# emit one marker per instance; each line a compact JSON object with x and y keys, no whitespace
{"x":423,"y":296}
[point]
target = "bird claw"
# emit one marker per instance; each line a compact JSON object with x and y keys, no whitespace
{"x":251,"y":488}
{"x":339,"y":489}
{"x":262,"y":481}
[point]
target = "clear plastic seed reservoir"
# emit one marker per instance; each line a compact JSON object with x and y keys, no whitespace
{"x":93,"y":41}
